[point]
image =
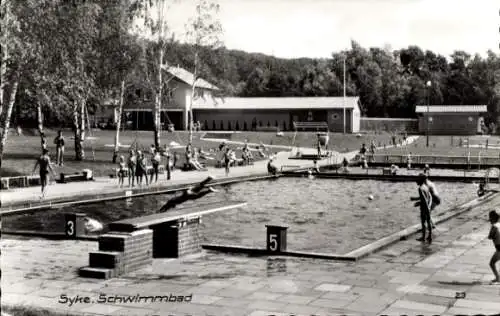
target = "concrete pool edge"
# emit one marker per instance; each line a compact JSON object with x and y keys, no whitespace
{"x":382,"y":243}
{"x":264,"y":252}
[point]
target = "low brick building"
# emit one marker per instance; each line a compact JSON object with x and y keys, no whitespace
{"x":281,"y":112}
{"x":450,"y":119}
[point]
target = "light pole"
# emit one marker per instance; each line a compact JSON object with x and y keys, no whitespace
{"x":428,"y":84}
{"x":344,"y":93}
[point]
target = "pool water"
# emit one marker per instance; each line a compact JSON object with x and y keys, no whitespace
{"x":323,"y":215}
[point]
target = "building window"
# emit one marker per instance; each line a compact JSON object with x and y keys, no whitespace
{"x":335,"y":116}
{"x":310,"y":116}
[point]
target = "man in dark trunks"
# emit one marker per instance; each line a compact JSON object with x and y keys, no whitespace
{"x":59,"y":141}
{"x":424,"y":201}
{"x":43,"y":162}
{"x":193,"y":193}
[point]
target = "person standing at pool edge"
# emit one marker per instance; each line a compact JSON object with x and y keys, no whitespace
{"x":132,"y":161}
{"x":494,"y":235}
{"x":121,"y":171}
{"x":424,"y":200}
{"x":43,"y":162}
{"x":436,"y":200}
{"x":227,"y":160}
{"x":155,"y":161}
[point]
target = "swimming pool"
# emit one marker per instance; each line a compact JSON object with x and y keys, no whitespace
{"x":323,"y":215}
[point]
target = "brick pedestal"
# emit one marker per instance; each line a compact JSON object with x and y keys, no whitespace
{"x":120,"y":253}
{"x":177,"y":239}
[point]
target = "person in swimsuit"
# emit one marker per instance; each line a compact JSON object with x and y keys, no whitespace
{"x":140,"y":169}
{"x":176,"y":158}
{"x":43,"y":162}
{"x":131,"y":163}
{"x":427,"y":170}
{"x":362,"y":150}
{"x":122,"y":170}
{"x":227,"y":160}
{"x":193,"y":193}
{"x":424,"y":200}
{"x":494,"y":235}
{"x":272,"y":169}
{"x":59,"y":141}
{"x":315,"y":167}
{"x":436,"y":200}
{"x":155,"y":161}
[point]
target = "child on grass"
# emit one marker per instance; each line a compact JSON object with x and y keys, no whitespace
{"x":494,"y":235}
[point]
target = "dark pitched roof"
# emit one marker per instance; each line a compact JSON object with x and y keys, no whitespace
{"x":188,"y":77}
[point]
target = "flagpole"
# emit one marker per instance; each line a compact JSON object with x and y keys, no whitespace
{"x":344,"y":94}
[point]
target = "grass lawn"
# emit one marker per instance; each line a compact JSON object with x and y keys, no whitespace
{"x":338,"y":142}
{"x":448,"y":145}
{"x":21,"y":151}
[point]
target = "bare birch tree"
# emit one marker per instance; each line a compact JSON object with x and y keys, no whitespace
{"x":204,"y":30}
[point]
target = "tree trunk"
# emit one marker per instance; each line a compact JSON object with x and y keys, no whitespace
{"x":157,"y":121}
{"x":3,"y":71}
{"x":6,"y":118}
{"x":118,"y":123}
{"x":76,"y":129}
{"x":40,"y":120}
{"x":82,"y":120}
{"x":191,"y":119}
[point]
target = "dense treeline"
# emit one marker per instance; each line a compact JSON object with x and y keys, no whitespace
{"x":389,"y":83}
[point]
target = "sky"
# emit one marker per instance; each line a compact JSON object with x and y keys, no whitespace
{"x":316,"y":28}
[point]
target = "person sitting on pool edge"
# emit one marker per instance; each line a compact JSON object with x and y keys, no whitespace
{"x":315,"y":167}
{"x":345,"y":165}
{"x":272,"y":169}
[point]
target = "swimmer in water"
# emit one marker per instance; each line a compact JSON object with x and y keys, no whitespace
{"x":92,"y":225}
{"x":193,"y":193}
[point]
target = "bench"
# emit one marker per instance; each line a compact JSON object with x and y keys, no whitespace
{"x":132,"y":243}
{"x":316,"y":126}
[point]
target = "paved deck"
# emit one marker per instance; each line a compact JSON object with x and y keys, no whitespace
{"x":406,"y":278}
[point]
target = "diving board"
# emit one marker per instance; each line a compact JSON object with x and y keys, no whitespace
{"x":133,"y":243}
{"x":175,"y":215}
